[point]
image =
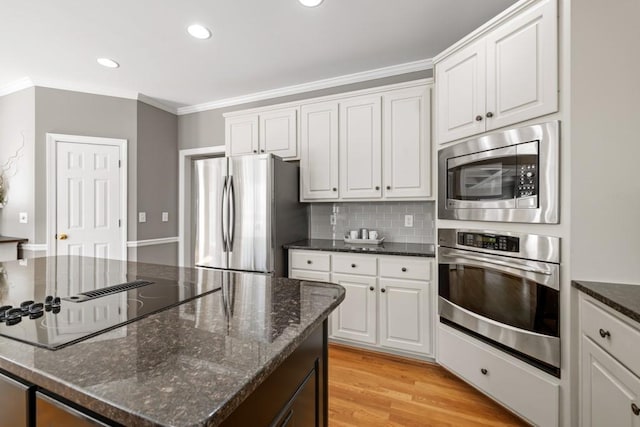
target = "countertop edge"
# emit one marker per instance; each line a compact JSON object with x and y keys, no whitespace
{"x":615,"y":305}
{"x":8,"y":239}
{"x":364,"y":250}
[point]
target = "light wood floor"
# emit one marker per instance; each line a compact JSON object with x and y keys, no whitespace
{"x":369,"y":389}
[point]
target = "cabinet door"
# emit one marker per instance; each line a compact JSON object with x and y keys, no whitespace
{"x":405,"y":315}
{"x":279,"y":133}
{"x":361,"y":148}
{"x":522,"y":67}
{"x":241,"y":135}
{"x":609,"y":391}
{"x":407,"y":143}
{"x":355,"y":318}
{"x":14,"y":403}
{"x":319,"y":156}
{"x":461,"y":92}
{"x":51,"y":412}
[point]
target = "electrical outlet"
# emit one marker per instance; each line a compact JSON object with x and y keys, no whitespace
{"x":24,"y":218}
{"x":408,"y":220}
{"x":165,"y":216}
{"x":332,"y":219}
{"x":142,"y":217}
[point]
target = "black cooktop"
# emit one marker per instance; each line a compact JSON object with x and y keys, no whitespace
{"x":71,"y":299}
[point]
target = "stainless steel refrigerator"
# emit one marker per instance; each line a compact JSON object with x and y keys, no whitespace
{"x":246,"y":209}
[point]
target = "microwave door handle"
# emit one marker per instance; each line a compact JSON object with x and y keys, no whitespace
{"x":498,"y":263}
{"x":454,"y":162}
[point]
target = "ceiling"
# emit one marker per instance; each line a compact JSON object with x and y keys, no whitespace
{"x":257,"y":45}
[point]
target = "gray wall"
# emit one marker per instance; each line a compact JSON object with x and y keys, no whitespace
{"x":605,"y":147}
{"x":385,"y":217}
{"x":157,"y":172}
{"x":17,"y":117}
{"x":206,"y":128}
{"x":76,"y":113}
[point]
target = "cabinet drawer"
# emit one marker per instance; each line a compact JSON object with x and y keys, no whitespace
{"x":14,"y":403}
{"x":355,"y":264}
{"x":614,"y":335}
{"x":405,"y":268}
{"x":319,"y":276}
{"x":308,"y":260}
{"x":529,"y":393}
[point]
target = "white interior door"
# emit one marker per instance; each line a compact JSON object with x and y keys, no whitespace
{"x":88,"y":200}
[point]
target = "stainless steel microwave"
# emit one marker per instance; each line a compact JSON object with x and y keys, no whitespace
{"x":509,"y":176}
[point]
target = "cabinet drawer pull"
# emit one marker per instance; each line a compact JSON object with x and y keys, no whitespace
{"x":489,"y":114}
{"x":388,"y":187}
{"x":605,"y":334}
{"x":334,"y":189}
{"x":383,"y":290}
{"x":483,"y":371}
{"x":377,"y":187}
{"x":309,"y":261}
{"x":404,"y":269}
{"x":353,"y":266}
{"x":371,"y":288}
{"x":255,"y":151}
{"x":478,"y":118}
{"x":262,"y":151}
{"x":635,"y":409}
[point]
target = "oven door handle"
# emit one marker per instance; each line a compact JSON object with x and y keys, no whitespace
{"x":445,"y":252}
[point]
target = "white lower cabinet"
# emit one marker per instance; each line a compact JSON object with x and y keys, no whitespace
{"x":530,"y":393}
{"x":388,"y":303}
{"x":609,"y":367}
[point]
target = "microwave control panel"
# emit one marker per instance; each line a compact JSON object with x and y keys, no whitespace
{"x":494,"y":242}
{"x":527,"y":180}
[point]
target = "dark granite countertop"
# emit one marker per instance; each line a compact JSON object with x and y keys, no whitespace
{"x":7,"y":239}
{"x":386,"y":248}
{"x":621,"y":297}
{"x":190,"y":365}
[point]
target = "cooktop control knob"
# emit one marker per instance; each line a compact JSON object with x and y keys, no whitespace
{"x":24,"y":306}
{"x":13,"y":316}
{"x":3,"y":311}
{"x":36,"y":310}
{"x":56,"y":302}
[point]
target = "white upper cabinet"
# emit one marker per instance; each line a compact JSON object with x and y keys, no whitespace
{"x":407,"y":143}
{"x":361,"y":148}
{"x":241,"y":134}
{"x":319,"y":156}
{"x":460,"y":91}
{"x":272,"y":131}
{"x":506,"y":75}
{"x":279,"y":132}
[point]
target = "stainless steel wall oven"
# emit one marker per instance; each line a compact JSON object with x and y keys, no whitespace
{"x":509,"y":176}
{"x":503,"y":288}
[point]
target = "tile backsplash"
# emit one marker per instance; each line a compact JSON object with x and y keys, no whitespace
{"x":385,"y":217}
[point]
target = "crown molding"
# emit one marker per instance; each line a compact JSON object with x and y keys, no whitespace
{"x":16,"y":85}
{"x":83,"y":88}
{"x":394,"y":70}
{"x":155,"y":103}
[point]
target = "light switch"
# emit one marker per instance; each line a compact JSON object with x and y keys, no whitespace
{"x":24,"y":218}
{"x":165,"y":216}
{"x":142,"y":217}
{"x":408,"y":220}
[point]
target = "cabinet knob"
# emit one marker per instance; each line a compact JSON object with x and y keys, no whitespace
{"x":377,"y":187}
{"x":334,"y":189}
{"x":262,"y":151}
{"x":404,"y":269}
{"x":371,"y":288}
{"x":635,"y":409}
{"x":604,"y":334}
{"x":489,"y":114}
{"x":478,"y":118}
{"x":255,"y":151}
{"x":483,"y":371}
{"x":353,"y":266}
{"x":309,"y":261}
{"x":383,"y":290}
{"x":388,"y":187}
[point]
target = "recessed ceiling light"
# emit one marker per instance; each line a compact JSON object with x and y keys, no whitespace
{"x":199,"y":32}
{"x":109,"y":63}
{"x":310,"y":3}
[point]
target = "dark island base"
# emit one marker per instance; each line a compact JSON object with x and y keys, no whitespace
{"x":296,"y":394}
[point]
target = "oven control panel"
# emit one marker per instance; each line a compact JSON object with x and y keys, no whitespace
{"x":494,"y":242}
{"x":527,"y":180}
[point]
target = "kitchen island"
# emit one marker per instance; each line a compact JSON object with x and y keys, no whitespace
{"x":242,"y":349}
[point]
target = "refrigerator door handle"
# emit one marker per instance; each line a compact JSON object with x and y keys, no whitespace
{"x":225,"y":214}
{"x":232,"y":213}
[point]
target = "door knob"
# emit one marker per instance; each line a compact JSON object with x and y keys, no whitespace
{"x":63,"y":236}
